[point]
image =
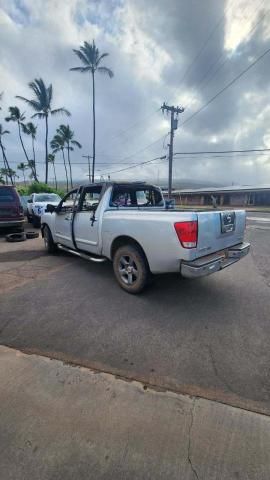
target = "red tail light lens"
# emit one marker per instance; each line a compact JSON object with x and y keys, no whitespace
{"x":187,"y":233}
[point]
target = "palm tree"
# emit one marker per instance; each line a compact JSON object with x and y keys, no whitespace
{"x":31,"y":129}
{"x":67,"y":134}
{"x":16,"y":116}
{"x":57,"y":145}
{"x":42,"y":105}
{"x":5,"y":160}
{"x":22,"y":167}
{"x":91,"y":60}
{"x":51,"y":159}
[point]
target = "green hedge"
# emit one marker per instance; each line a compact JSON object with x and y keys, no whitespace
{"x":39,"y":188}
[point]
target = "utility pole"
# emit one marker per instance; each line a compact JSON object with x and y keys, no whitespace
{"x":89,"y":167}
{"x":174,"y":125}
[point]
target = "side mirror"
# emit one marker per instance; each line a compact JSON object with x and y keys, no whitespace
{"x":50,"y":208}
{"x":93,"y":207}
{"x":30,"y":200}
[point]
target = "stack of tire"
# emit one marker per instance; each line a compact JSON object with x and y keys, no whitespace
{"x":21,"y":236}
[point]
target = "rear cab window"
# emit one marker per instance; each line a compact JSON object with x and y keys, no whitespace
{"x":8,"y":194}
{"x":136,"y":196}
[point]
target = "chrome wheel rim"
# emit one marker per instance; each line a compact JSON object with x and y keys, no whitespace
{"x":128,"y":270}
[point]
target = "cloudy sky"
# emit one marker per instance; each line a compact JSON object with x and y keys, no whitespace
{"x":179,"y":51}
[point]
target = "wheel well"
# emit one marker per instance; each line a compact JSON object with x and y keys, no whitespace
{"x":126,"y":240}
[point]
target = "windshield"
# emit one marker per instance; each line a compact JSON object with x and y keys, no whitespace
{"x":47,"y":197}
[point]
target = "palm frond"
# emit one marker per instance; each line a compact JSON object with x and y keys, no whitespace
{"x":103,"y":55}
{"x":49,"y":94}
{"x":74,"y":142}
{"x":58,"y":111}
{"x":39,"y":115}
{"x":80,"y":69}
{"x":105,"y":71}
{"x":35,"y":88}
{"x":3,"y":132}
{"x":32,"y":103}
{"x":82,"y":57}
{"x":25,"y":129}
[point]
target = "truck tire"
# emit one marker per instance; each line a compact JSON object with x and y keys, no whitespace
{"x":50,"y":246}
{"x":16,"y":237}
{"x":30,"y":235}
{"x":130,"y":268}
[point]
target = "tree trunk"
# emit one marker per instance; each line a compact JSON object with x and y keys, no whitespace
{"x":46,"y":150}
{"x":94,"y":126}
{"x":22,"y":144}
{"x":23,"y":147}
{"x":24,"y":178}
{"x":55,"y":181}
{"x":65,"y":168}
{"x":70,"y":171}
{"x":34,"y":160}
{"x":6,"y":162}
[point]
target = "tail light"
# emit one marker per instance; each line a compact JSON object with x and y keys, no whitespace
{"x":187,"y":233}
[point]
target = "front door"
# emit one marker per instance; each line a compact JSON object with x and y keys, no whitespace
{"x":63,"y":219}
{"x":86,"y":223}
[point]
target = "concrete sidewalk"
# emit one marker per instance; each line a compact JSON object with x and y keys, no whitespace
{"x":64,"y":422}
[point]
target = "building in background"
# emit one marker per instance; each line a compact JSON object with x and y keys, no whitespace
{"x":242,"y":196}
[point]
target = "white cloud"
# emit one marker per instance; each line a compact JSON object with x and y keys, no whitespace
{"x":150,"y":43}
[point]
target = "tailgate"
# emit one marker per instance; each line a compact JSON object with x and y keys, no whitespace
{"x":7,"y":211}
{"x":219,"y":230}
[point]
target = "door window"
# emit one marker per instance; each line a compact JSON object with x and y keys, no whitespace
{"x":90,"y":198}
{"x":67,"y":203}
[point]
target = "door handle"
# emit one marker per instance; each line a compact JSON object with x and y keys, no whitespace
{"x":67,"y":218}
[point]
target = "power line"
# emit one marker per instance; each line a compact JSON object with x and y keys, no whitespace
{"x":136,"y":165}
{"x":197,"y":56}
{"x":205,"y":77}
{"x":235,"y":79}
{"x":225,"y":151}
{"x":226,"y":87}
{"x":181,"y":81}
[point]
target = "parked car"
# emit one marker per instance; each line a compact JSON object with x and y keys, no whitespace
{"x":128,"y":223}
{"x":11,"y":210}
{"x":37,"y":204}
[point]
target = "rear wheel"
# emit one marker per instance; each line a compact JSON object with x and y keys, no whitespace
{"x":49,"y":244}
{"x":130,"y":268}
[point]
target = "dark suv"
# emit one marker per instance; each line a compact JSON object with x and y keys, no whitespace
{"x":11,"y":210}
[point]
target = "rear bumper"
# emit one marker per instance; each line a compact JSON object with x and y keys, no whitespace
{"x":213,"y":263}
{"x":11,"y":223}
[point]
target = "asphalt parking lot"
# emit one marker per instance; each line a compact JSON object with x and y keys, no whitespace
{"x":208,"y":338}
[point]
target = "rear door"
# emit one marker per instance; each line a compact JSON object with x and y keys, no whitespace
{"x":219,"y":230}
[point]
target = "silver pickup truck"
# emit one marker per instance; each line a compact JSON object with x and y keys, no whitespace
{"x":130,"y":224}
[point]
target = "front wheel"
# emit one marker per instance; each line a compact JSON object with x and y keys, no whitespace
{"x":130,"y":268}
{"x":36,"y":221}
{"x":49,"y":244}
